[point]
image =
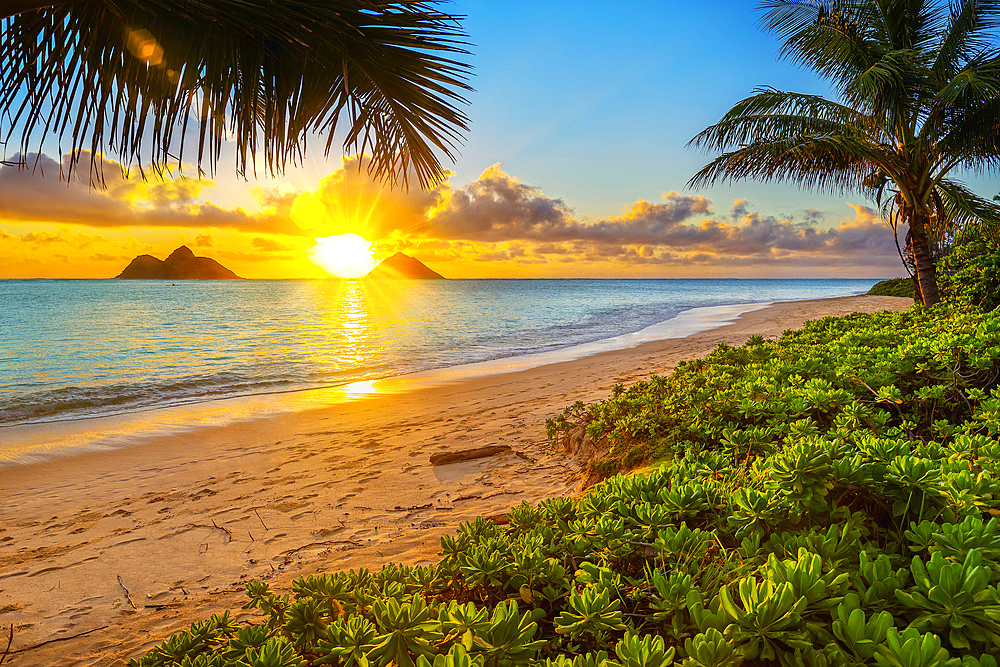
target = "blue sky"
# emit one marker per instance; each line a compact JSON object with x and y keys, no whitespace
{"x":594,"y":102}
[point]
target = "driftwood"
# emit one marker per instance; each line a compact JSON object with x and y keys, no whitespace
{"x":468,"y":454}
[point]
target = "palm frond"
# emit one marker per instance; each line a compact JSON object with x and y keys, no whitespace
{"x":970,"y":30}
{"x":827,"y":36}
{"x":971,"y":137}
{"x":830,"y":163}
{"x":969,"y":212}
{"x":977,"y":83}
{"x":771,"y":112}
{"x":134,"y":75}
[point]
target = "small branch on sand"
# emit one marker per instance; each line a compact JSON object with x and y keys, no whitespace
{"x":128,"y":596}
{"x":60,"y":639}
{"x":214,"y":526}
{"x":10,"y":640}
{"x":445,"y":458}
{"x":476,"y":496}
{"x":397,"y":508}
{"x":165,"y":605}
{"x":259,"y":519}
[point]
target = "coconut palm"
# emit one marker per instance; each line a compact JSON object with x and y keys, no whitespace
{"x":919,"y":87}
{"x":147,"y":78}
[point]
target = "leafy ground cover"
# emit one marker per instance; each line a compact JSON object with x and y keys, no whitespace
{"x":824,"y":499}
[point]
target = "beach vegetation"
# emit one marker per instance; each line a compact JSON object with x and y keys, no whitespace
{"x":902,"y":287}
{"x":267,"y":76}
{"x":917,"y":82}
{"x":970,"y":274}
{"x":828,"y":498}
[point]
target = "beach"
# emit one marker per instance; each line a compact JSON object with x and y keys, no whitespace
{"x":105,"y":553}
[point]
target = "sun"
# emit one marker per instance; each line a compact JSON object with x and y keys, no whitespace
{"x":345,"y":256}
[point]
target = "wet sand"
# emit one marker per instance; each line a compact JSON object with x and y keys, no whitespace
{"x":104,"y":554}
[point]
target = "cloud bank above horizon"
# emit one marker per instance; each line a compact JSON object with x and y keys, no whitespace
{"x":494,"y":226}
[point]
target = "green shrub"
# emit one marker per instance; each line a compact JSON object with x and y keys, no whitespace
{"x":970,"y":274}
{"x":893,"y":287}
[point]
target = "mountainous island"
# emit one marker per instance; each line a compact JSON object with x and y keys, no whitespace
{"x":182,"y":264}
{"x":401,"y":266}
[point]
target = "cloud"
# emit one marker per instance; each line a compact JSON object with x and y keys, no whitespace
{"x":739,"y":209}
{"x":498,"y":207}
{"x":680,"y":229}
{"x":104,"y":257}
{"x":269,"y":245}
{"x":42,"y":238}
{"x":350,"y":200}
{"x":109,"y":197}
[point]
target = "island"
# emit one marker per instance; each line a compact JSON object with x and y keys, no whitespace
{"x":401,"y":266}
{"x":182,"y":264}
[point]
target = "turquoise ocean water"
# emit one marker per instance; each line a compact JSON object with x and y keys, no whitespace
{"x":74,"y":349}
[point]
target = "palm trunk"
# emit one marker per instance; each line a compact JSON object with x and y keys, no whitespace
{"x":926,"y":278}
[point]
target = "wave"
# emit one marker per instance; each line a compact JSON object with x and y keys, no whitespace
{"x":68,"y":403}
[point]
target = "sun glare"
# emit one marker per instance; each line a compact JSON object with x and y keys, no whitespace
{"x":345,"y":256}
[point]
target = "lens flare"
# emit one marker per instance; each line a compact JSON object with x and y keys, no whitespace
{"x":344,"y":256}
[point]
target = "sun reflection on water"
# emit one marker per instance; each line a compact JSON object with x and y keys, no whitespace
{"x":360,"y":319}
{"x":355,"y":325}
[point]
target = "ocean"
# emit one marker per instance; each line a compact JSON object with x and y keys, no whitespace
{"x":81,"y":349}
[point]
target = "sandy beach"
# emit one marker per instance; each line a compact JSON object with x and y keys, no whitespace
{"x":104,"y":554}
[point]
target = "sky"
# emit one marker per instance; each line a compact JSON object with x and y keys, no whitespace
{"x":575,"y":165}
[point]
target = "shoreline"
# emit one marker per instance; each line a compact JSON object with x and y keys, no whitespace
{"x":47,"y":440}
{"x":104,"y":554}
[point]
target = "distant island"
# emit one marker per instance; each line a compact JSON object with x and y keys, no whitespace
{"x":401,"y":266}
{"x":182,"y":264}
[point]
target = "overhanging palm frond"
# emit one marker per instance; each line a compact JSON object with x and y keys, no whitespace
{"x":264,"y":74}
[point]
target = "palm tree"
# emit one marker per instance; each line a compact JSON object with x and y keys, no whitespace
{"x":919,"y":83}
{"x":266,"y":74}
